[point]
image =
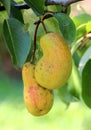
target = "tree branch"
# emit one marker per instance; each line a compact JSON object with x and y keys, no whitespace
{"x":61,"y":2}
{"x":48,"y":2}
{"x":18,"y":6}
{"x":22,"y":6}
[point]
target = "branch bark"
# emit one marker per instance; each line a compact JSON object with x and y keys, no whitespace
{"x":48,"y":2}
{"x":61,"y":2}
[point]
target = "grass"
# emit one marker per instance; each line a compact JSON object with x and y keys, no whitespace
{"x":14,"y":115}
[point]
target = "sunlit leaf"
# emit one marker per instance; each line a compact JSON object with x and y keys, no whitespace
{"x":88,"y":26}
{"x":81,"y":31}
{"x":81,"y":19}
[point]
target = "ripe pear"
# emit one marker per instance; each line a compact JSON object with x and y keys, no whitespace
{"x":38,"y":100}
{"x":54,"y":67}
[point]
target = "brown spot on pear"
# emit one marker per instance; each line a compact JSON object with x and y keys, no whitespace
{"x":38,"y":100}
{"x":54,"y":67}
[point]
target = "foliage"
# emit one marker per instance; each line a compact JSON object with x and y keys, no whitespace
{"x":19,"y":31}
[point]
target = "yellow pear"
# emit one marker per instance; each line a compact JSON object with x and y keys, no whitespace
{"x":54,"y":67}
{"x":38,"y":100}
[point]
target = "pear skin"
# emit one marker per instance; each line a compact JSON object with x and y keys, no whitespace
{"x":55,"y":66}
{"x":38,"y":100}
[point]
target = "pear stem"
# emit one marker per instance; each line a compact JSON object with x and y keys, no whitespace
{"x":42,"y":22}
{"x":35,"y":35}
{"x":37,"y":23}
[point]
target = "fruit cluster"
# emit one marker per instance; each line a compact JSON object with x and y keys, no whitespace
{"x":51,"y":72}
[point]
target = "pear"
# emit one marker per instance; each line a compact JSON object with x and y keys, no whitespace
{"x":38,"y":100}
{"x":54,"y":67}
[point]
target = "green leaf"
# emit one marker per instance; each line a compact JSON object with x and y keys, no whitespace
{"x":7,"y":5}
{"x":76,"y":58}
{"x":54,"y":8}
{"x":75,"y":82}
{"x":66,"y":26}
{"x":36,"y":5}
{"x":15,"y":13}
{"x":88,"y":27}
{"x":65,"y":95}
{"x":86,"y":84}
{"x":81,"y":19}
{"x":80,"y":22}
{"x":71,"y":91}
{"x":81,"y":31}
{"x":3,"y":16}
{"x":18,"y":40}
{"x":86,"y":56}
